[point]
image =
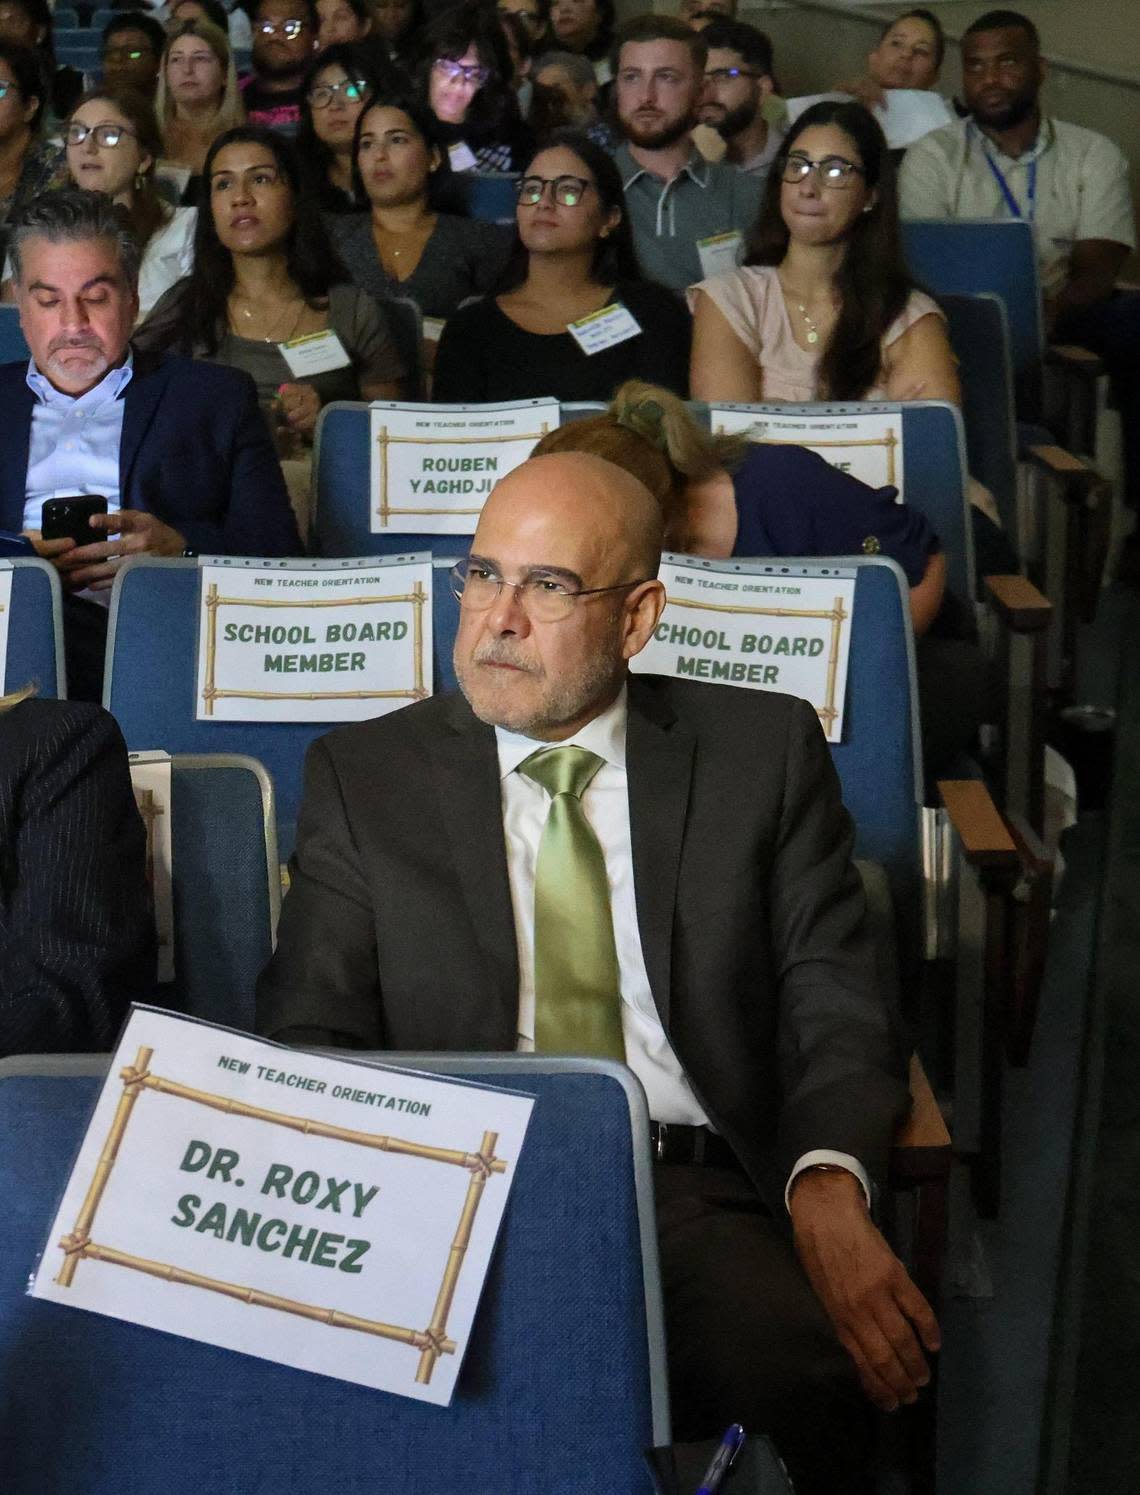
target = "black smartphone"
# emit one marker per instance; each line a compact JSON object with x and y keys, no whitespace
{"x":66,"y":518}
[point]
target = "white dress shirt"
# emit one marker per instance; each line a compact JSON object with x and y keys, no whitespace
{"x":605,"y":803}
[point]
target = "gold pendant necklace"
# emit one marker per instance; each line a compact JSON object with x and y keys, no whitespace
{"x":812,"y":329}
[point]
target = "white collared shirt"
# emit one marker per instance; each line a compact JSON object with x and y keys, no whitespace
{"x":605,"y":802}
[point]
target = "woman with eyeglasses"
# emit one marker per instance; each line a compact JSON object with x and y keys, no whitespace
{"x":267,"y":293}
{"x":28,"y":23}
{"x":573,"y":318}
{"x":465,"y":75}
{"x":197,"y":98}
{"x":824,"y":307}
{"x":337,"y":85}
{"x":403,"y":246}
{"x":29,"y":164}
{"x":113,"y":146}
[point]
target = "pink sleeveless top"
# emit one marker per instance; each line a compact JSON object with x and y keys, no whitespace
{"x":753,"y":305}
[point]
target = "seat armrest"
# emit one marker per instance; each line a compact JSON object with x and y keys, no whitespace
{"x":984,"y":836}
{"x":1018,"y":603}
{"x":1081,"y":362}
{"x":1078,"y":479}
{"x":925,"y":1126}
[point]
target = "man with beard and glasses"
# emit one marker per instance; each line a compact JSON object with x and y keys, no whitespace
{"x":284,"y":40}
{"x":689,"y":216}
{"x":569,"y":858}
{"x":738,"y":79}
{"x":1009,"y":158}
{"x":180,"y":450}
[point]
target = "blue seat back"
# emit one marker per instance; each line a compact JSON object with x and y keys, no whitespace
{"x":491,"y":196}
{"x":967,"y":257}
{"x":35,"y":628}
{"x":13,"y":343}
{"x":65,"y":18}
{"x":979,"y":335}
{"x":151,"y":676}
{"x":934,"y":468}
{"x":561,"y":1388}
{"x":225,"y":884}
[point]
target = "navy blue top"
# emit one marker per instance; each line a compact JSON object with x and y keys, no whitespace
{"x":789,"y":501}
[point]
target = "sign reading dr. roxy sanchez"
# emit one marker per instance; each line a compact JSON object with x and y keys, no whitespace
{"x":331,"y":1216}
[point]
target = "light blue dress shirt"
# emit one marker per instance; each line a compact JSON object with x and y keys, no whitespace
{"x":74,"y":442}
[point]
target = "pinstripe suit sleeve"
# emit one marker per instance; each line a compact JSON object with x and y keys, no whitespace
{"x":76,"y":934}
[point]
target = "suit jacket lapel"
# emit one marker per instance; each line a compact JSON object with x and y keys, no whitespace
{"x":659,"y":764}
{"x":465,"y":766}
{"x":140,"y":401}
{"x":18,"y":405}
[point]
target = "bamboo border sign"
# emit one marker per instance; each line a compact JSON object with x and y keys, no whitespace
{"x":433,"y":467}
{"x":312,"y":644}
{"x":785,"y":633}
{"x":249,"y":1196}
{"x":6,"y":575}
{"x":868,"y":446}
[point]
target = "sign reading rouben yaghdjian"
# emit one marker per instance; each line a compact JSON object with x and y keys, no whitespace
{"x":5,"y":614}
{"x":327,"y":641}
{"x":434,"y":465}
{"x":868,"y":446}
{"x":764,"y":632}
{"x":327,"y":1215}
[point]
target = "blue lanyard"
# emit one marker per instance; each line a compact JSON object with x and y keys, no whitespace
{"x":1011,"y":201}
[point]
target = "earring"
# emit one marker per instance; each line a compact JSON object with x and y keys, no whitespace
{"x":140,"y":180}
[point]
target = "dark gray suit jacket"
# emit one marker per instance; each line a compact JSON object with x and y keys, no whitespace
{"x":398,"y":931}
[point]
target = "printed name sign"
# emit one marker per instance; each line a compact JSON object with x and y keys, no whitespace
{"x":764,"y":632}
{"x":315,"y":642}
{"x":434,"y":465}
{"x":327,"y":1215}
{"x":869,"y":446}
{"x":6,"y":574}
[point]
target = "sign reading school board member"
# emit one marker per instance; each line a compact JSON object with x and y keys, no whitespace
{"x":434,"y":465}
{"x":868,"y":446}
{"x":304,"y":1210}
{"x":754,"y":626}
{"x":6,"y":574}
{"x":314,"y":641}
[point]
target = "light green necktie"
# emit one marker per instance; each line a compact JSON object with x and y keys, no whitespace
{"x":577,"y":988}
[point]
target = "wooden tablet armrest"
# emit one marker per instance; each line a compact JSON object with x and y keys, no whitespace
{"x":983,"y":834}
{"x":1018,"y":604}
{"x":1079,"y":481}
{"x":925,"y":1126}
{"x":1081,"y":362}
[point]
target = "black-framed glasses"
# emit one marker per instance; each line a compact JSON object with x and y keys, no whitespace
{"x":323,"y":94}
{"x":291,"y":30}
{"x":833,"y":171}
{"x":724,"y":74}
{"x":126,"y":54}
{"x":107,"y":135}
{"x":568,"y":191}
{"x":545,"y":597}
{"x":467,"y":72}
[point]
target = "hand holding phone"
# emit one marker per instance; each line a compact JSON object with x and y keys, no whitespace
{"x":69,"y":518}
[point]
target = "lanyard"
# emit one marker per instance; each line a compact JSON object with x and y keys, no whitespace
{"x":1011,"y":201}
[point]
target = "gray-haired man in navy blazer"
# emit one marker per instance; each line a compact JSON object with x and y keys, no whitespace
{"x":748,"y":1006}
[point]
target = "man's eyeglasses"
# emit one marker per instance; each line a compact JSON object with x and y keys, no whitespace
{"x":126,"y":54}
{"x":107,"y":135}
{"x":466,"y":72}
{"x":724,"y":74}
{"x":6,"y":89}
{"x":291,"y":30}
{"x":568,"y":191}
{"x":353,"y":89}
{"x":545,"y":598}
{"x":833,"y":171}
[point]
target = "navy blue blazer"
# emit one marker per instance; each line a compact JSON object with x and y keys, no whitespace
{"x":196,"y":452}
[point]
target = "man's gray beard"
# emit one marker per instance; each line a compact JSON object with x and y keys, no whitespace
{"x":565,"y":702}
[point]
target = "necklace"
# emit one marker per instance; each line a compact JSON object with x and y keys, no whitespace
{"x":247,"y":331}
{"x":812,"y":332}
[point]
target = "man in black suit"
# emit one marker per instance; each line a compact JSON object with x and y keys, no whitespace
{"x":744,"y":992}
{"x":180,"y":449}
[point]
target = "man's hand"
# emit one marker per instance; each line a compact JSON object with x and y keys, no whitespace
{"x":94,"y":565}
{"x":869,"y":93}
{"x":881,"y":1318}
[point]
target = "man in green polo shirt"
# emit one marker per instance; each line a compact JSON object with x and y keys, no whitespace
{"x":1010,"y":159}
{"x":690,"y":217}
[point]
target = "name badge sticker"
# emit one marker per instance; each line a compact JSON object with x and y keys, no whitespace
{"x":318,"y":353}
{"x":720,"y":252}
{"x":462,"y":157}
{"x":433,"y":329}
{"x":605,"y":328}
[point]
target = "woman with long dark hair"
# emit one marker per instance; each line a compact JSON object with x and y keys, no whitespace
{"x":823,"y":307}
{"x":465,"y":76}
{"x":265,"y":278}
{"x":27,"y":23}
{"x":337,"y":86}
{"x":113,"y":146}
{"x":29,"y":164}
{"x":573,"y":317}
